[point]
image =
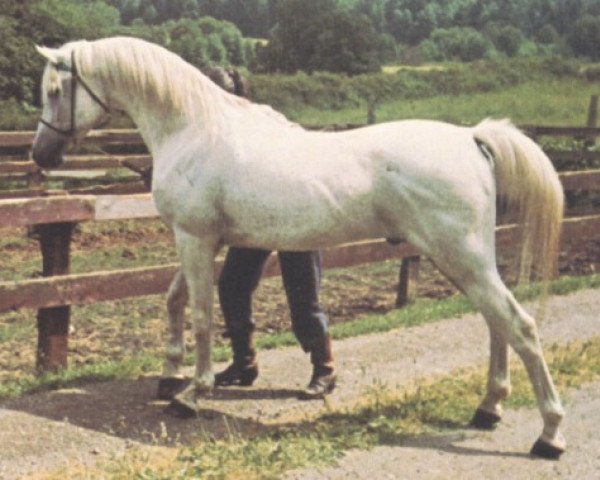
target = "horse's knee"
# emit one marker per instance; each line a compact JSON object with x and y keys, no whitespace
{"x":177,"y":296}
{"x":201,"y":322}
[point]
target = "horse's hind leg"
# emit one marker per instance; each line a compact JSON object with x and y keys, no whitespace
{"x":489,"y":411}
{"x":469,"y":262}
{"x":510,"y":323}
{"x":173,"y":381}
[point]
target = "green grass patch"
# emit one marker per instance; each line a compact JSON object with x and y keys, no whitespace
{"x":560,"y":102}
{"x":73,"y":377}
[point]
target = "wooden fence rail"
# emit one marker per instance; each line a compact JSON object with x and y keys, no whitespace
{"x":86,"y":288}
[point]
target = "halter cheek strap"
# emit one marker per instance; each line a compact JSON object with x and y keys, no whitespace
{"x":75,"y":77}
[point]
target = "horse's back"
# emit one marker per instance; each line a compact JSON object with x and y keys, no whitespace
{"x":369,"y":182}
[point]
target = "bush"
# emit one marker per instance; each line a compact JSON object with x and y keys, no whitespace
{"x":313,"y":35}
{"x":458,"y":43}
{"x":584,"y":37}
{"x":16,"y":116}
{"x":508,"y":40}
{"x":329,"y":91}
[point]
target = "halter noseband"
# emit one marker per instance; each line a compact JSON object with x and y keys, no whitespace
{"x":75,"y":77}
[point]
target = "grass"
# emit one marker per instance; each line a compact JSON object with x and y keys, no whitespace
{"x":95,"y":246}
{"x":383,"y":416}
{"x":555,"y":102}
{"x":420,"y":312}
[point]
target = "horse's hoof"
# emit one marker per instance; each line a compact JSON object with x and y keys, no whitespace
{"x":179,"y":409}
{"x":169,"y":387}
{"x":543,"y":449}
{"x":484,"y":420}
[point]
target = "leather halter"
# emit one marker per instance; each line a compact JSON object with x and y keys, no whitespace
{"x":75,"y":77}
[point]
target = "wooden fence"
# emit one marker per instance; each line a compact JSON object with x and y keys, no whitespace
{"x":54,"y":213}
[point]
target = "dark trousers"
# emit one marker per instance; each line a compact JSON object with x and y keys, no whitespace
{"x":301,"y":273}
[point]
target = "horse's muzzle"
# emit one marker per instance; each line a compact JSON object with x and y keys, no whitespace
{"x":48,"y":148}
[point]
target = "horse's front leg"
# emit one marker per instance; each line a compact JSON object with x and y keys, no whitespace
{"x":172,"y":380}
{"x":197,"y":264}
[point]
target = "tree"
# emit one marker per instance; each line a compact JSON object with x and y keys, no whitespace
{"x":201,"y":42}
{"x":584,"y":37}
{"x":410,"y":21}
{"x":508,"y":40}
{"x":318,"y":35}
{"x":48,"y":22}
{"x":70,"y":19}
{"x":458,"y":43}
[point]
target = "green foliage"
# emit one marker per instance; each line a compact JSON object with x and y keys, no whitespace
{"x":318,"y":35}
{"x":346,"y":36}
{"x":22,"y":24}
{"x":507,"y":39}
{"x":203,"y":41}
{"x":15,"y":115}
{"x":327,"y":91}
{"x":457,"y":43}
{"x":584,"y":37}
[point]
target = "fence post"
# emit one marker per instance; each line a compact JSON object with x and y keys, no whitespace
{"x":592,"y":120}
{"x":371,"y":112}
{"x":407,"y":281}
{"x":53,"y":323}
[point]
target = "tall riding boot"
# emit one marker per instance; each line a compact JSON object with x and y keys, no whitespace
{"x":323,"y":377}
{"x":244,"y":369}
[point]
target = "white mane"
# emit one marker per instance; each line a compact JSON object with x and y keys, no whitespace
{"x":152,"y":71}
{"x":160,"y":76}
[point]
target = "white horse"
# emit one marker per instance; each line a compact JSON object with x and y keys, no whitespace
{"x":227,"y":171}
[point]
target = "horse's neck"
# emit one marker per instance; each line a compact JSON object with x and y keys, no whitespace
{"x":157,"y":124}
{"x":154,"y":125}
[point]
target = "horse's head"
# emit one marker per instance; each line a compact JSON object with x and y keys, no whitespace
{"x":70,"y":107}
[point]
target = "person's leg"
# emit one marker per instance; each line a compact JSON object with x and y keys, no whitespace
{"x":301,"y":272}
{"x":239,"y":278}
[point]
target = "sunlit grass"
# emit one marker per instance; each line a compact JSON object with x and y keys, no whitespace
{"x":556,"y":102}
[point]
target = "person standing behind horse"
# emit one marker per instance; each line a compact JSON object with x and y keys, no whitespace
{"x":301,"y":274}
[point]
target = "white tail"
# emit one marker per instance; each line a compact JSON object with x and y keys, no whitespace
{"x":528,"y":182}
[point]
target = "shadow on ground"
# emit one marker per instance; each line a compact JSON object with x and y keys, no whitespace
{"x":129,"y":410}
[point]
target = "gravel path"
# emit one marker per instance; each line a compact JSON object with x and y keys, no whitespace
{"x":53,"y":429}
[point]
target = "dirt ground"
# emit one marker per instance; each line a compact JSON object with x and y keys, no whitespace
{"x":99,"y":422}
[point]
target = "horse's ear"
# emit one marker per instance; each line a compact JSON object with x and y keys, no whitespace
{"x":53,"y":55}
